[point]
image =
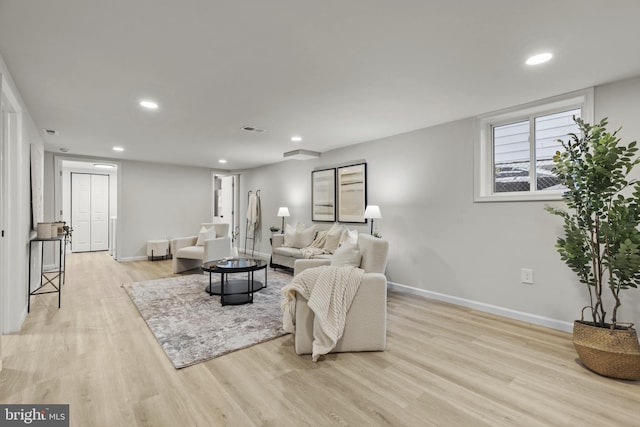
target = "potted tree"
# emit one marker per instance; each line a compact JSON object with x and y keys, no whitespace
{"x":601,"y":243}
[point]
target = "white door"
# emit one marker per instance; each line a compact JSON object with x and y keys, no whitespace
{"x":99,"y":212}
{"x":81,"y":212}
{"x":89,"y":212}
{"x":224,"y":199}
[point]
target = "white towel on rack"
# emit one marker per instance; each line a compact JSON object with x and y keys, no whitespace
{"x":253,"y":212}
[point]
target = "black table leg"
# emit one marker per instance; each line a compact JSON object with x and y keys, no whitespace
{"x":59,"y":273}
{"x":221,"y":288}
{"x":29,"y":282}
{"x":210,"y":285}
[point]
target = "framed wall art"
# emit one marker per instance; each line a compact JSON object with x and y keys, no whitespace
{"x":323,"y":195}
{"x":352,"y":193}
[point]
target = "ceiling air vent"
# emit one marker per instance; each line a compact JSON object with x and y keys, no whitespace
{"x":252,"y":129}
{"x":51,"y":132}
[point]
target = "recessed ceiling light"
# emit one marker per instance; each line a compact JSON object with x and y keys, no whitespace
{"x":539,"y":59}
{"x":296,"y":138}
{"x":222,"y":161}
{"x":118,"y":149}
{"x":149,"y":104}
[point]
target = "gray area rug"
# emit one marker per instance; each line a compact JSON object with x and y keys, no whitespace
{"x":192,"y":326}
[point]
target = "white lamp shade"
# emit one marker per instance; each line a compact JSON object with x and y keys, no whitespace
{"x":283,"y":211}
{"x":372,"y":212}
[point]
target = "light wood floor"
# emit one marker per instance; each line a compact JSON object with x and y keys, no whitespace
{"x":444,"y":366}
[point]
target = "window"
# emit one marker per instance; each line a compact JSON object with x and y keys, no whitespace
{"x":511,"y":141}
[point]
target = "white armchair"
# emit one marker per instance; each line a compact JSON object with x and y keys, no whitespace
{"x":366,"y":322}
{"x":187,"y":254}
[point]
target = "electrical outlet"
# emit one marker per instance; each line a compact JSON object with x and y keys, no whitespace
{"x":526,"y":276}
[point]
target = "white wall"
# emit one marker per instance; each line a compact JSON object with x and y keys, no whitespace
{"x":619,"y":101}
{"x":153,"y":200}
{"x":18,"y":223}
{"x":443,"y":243}
{"x":160,"y":200}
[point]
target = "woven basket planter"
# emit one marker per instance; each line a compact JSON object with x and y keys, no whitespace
{"x":614,"y":353}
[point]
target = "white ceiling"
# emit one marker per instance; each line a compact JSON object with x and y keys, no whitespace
{"x":334,"y":72}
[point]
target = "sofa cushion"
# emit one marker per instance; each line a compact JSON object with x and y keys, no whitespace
{"x":304,"y":237}
{"x":191,"y":252}
{"x":290,"y":252}
{"x":299,"y":237}
{"x":347,"y":254}
{"x":333,"y":238}
{"x":290,"y":233}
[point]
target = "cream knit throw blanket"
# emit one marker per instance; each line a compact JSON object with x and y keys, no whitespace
{"x":329,"y":292}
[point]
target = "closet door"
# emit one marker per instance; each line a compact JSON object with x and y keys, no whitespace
{"x":89,"y":212}
{"x":81,"y":212}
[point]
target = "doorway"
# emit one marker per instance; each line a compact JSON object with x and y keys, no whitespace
{"x":3,"y":246}
{"x":13,"y":220}
{"x":103,"y":238}
{"x":225,"y":200}
{"x":89,"y":212}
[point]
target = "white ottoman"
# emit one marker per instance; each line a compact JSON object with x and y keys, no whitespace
{"x":157,"y":249}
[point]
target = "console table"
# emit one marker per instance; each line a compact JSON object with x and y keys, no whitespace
{"x":46,"y":277}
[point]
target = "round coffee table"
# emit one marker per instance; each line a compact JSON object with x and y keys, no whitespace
{"x":235,"y":291}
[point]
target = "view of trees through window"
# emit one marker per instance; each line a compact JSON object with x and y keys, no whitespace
{"x":513,"y":151}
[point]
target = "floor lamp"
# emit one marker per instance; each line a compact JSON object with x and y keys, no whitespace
{"x":372,"y":212}
{"x":283,"y":212}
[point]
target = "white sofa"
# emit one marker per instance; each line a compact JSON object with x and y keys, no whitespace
{"x":322,"y":244}
{"x":285,"y":257}
{"x":187,"y":255}
{"x":366,"y":323}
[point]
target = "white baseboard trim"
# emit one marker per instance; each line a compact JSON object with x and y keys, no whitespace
{"x":487,"y":308}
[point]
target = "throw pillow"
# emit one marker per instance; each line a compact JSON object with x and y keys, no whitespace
{"x":348,"y":236}
{"x":333,"y":238}
{"x":205,"y":234}
{"x":290,"y":234}
{"x":347,"y":254}
{"x":304,"y":237}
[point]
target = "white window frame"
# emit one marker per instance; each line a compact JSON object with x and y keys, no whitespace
{"x":483,"y":146}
